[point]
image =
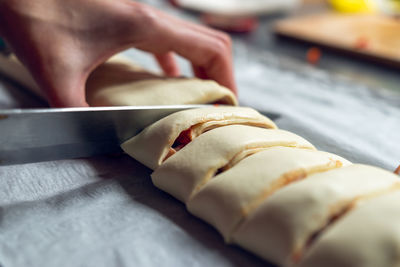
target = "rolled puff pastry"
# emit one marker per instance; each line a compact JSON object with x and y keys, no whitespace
{"x":280,"y":229}
{"x":368,"y":236}
{"x":119,"y":83}
{"x":155,"y":143}
{"x":230,"y":196}
{"x":187,"y":171}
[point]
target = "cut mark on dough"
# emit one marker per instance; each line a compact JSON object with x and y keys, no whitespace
{"x":297,"y":255}
{"x":288,"y":178}
{"x":240,"y":156}
{"x":397,"y":171}
{"x":251,"y":151}
{"x":246,"y":151}
{"x":338,"y":211}
{"x":188,"y":135}
{"x":184,"y":138}
{"x":285,"y":180}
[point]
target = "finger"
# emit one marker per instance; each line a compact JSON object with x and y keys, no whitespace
{"x":209,"y":51}
{"x":168,"y":64}
{"x":211,"y":57}
{"x":69,"y":97}
{"x":67,"y":90}
{"x":199,"y":72}
{"x":201,"y":29}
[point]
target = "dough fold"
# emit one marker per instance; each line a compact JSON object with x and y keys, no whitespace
{"x":280,"y":228}
{"x":155,"y":143}
{"x":118,"y":82}
{"x":229,"y":197}
{"x":368,"y":236}
{"x":183,"y":174}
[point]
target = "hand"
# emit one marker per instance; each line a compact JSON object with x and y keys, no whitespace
{"x":62,"y":42}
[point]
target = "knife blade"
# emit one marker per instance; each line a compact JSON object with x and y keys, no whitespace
{"x":34,"y":135}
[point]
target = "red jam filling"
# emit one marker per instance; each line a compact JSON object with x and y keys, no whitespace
{"x":183,"y":139}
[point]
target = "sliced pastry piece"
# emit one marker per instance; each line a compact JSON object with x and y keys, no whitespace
{"x":163,"y":138}
{"x":119,"y":83}
{"x":367,"y":236}
{"x":183,"y":174}
{"x":230,"y":196}
{"x":286,"y":222}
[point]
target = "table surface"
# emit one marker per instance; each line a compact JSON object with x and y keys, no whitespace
{"x":104,"y":211}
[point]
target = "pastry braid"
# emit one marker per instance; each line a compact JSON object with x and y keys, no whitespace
{"x":271,"y":192}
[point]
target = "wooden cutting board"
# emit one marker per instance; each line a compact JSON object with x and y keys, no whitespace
{"x":368,"y":35}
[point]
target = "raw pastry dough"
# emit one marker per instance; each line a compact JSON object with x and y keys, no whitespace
{"x":155,"y":143}
{"x":229,"y":197}
{"x":284,"y":223}
{"x":286,"y":203}
{"x":369,"y":236}
{"x":183,"y":174}
{"x":119,"y":83}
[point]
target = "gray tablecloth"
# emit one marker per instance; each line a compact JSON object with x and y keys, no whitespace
{"x":104,"y":211}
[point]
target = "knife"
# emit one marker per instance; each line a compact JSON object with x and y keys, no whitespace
{"x":34,"y":135}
